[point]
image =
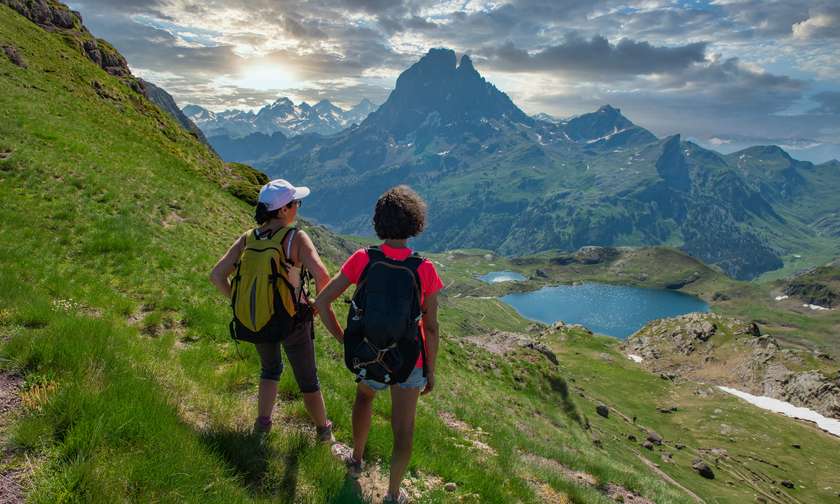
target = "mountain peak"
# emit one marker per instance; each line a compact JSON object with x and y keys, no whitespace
{"x":326,"y":106}
{"x":443,"y":59}
{"x":466,"y":65}
{"x":282,"y":102}
{"x":607,"y":120}
{"x":773,"y":151}
{"x":435,"y":86}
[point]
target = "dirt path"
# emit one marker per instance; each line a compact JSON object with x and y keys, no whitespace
{"x":11,"y":476}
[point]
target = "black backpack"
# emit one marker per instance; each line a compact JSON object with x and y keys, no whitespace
{"x":382,"y":341}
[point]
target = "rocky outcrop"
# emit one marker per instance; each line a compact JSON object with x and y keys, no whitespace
{"x":502,"y":342}
{"x":56,"y":17}
{"x":595,"y":255}
{"x":714,"y":349}
{"x":815,"y":293}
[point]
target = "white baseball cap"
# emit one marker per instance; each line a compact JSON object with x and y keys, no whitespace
{"x":279,"y":193}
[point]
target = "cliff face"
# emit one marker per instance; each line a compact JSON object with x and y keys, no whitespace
{"x":730,"y":352}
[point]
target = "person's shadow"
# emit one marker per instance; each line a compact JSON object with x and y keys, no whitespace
{"x":249,"y":458}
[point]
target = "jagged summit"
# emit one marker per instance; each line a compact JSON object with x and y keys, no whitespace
{"x":282,"y":115}
{"x":466,"y":65}
{"x":435,"y":89}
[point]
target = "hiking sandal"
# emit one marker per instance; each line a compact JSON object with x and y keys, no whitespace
{"x":402,"y":498}
{"x":325,"y":433}
{"x":262,"y":425}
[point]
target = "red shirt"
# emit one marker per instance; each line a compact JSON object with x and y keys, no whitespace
{"x":430,"y":282}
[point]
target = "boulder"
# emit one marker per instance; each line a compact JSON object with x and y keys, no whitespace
{"x":788,"y":484}
{"x":648,"y":445}
{"x":602,"y":410}
{"x":654,"y":438}
{"x":450,"y":487}
{"x":703,"y":469}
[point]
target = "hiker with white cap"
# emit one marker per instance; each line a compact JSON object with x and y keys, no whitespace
{"x":265,"y":275}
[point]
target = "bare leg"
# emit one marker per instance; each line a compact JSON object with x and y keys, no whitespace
{"x":265,"y":397}
{"x":362,"y":412}
{"x":403,"y":409}
{"x":314,"y":403}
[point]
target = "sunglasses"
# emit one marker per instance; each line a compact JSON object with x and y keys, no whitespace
{"x":298,"y":203}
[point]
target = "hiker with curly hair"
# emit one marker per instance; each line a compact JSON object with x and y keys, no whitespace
{"x":391,"y":339}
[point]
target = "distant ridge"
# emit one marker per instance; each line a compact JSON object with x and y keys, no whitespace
{"x":499,"y":179}
{"x":283,"y":116}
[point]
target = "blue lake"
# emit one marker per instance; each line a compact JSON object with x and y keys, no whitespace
{"x":502,"y":276}
{"x":614,"y":310}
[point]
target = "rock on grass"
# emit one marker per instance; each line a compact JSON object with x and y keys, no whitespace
{"x":703,"y":469}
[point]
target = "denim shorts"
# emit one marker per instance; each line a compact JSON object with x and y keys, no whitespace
{"x":415,"y":380}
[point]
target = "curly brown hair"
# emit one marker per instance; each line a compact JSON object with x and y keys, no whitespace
{"x":400,"y":214}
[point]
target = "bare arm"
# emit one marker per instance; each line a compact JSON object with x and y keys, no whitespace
{"x":323,"y":303}
{"x":431,"y":330}
{"x":224,"y":268}
{"x":308,"y":255}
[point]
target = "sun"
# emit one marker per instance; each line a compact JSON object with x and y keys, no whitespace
{"x":265,"y":76}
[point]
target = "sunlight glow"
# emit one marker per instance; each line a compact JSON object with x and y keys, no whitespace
{"x":265,"y":77}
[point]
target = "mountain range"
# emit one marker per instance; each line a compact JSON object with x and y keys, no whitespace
{"x":282,"y":116}
{"x":497,"y":178}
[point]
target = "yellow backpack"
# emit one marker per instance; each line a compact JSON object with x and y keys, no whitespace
{"x":263,"y":300}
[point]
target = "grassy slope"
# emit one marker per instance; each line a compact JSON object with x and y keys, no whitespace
{"x":112,"y":216}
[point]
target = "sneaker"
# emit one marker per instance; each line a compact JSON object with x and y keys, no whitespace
{"x":402,"y":498}
{"x":345,"y":454}
{"x":325,"y":433}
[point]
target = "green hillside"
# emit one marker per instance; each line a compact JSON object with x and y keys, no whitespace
{"x":131,"y":390}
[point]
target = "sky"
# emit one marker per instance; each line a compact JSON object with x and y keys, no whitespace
{"x":727,"y":73}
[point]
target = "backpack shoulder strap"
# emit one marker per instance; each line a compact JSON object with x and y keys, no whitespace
{"x":413,"y":263}
{"x":375,"y":253}
{"x":287,"y":252}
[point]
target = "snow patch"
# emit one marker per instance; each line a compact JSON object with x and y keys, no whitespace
{"x":781,"y":298}
{"x":635,"y":358}
{"x":831,"y":425}
{"x":815,"y":307}
{"x":615,"y":132}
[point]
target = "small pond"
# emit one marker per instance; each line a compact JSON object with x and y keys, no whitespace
{"x":502,"y":276}
{"x":614,"y":310}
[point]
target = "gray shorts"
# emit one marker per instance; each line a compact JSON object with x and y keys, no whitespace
{"x":300,"y":350}
{"x":415,"y":380}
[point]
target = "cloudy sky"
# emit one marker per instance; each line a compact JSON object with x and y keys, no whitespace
{"x":726,"y":72}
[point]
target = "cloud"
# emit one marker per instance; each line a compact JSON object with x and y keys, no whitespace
{"x":730,"y":86}
{"x":823,"y":22}
{"x":675,"y":65}
{"x":829,"y":103}
{"x":598,"y":58}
